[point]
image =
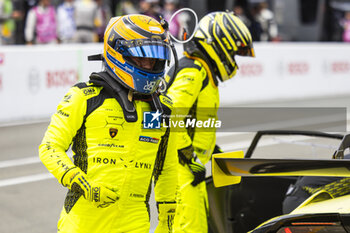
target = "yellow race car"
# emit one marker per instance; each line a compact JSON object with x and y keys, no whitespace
{"x":247,"y":190}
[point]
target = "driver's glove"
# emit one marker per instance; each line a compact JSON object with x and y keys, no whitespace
{"x":217,"y":149}
{"x":187,"y":156}
{"x":99,"y":195}
{"x":197,"y":169}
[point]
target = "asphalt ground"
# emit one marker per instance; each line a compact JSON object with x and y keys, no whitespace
{"x":31,"y":199}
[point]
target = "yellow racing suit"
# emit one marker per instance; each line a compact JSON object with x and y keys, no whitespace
{"x":195,"y":90}
{"x":113,"y":152}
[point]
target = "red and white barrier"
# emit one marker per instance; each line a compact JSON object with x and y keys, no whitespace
{"x":33,"y":79}
{"x":289,"y":71}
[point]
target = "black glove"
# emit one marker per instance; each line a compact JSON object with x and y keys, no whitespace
{"x":197,"y":169}
{"x":187,"y":156}
{"x":217,"y":149}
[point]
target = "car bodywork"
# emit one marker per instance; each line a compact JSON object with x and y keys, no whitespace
{"x":252,"y":189}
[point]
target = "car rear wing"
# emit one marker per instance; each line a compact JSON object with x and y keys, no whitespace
{"x":228,"y":168}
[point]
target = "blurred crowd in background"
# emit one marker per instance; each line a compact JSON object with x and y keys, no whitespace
{"x":84,"y":21}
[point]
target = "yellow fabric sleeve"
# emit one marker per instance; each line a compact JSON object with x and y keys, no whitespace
{"x":165,"y":187}
{"x":184,"y":92}
{"x":186,"y":87}
{"x":63,"y":127}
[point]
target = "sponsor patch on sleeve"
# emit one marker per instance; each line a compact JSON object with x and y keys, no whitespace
{"x":148,"y":139}
{"x":89,"y":91}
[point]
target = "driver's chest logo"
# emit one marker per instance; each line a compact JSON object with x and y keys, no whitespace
{"x":113,"y":132}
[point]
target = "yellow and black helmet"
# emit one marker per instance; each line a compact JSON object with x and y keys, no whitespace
{"x":136,"y":36}
{"x":223,"y":35}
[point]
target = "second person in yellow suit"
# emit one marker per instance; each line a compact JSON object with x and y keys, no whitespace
{"x":208,"y":58}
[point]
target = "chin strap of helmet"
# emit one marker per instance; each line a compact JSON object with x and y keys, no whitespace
{"x":176,"y":67}
{"x":152,"y":99}
{"x":163,"y":89}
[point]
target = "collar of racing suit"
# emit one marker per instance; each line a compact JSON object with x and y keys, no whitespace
{"x":121,"y":94}
{"x":213,"y":81}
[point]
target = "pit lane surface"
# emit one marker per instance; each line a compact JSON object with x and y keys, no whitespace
{"x":31,"y":199}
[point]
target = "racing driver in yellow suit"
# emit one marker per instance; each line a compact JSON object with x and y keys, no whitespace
{"x":112,"y":122}
{"x":209,"y":57}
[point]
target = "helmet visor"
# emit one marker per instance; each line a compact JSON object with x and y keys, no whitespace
{"x":144,"y":48}
{"x":245,"y":51}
